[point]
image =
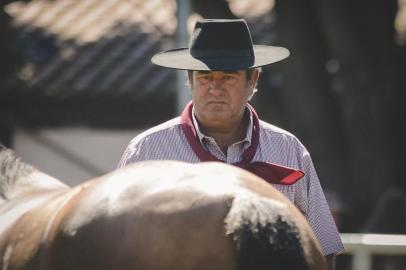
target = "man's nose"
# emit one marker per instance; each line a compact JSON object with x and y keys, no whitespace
{"x":216,"y":82}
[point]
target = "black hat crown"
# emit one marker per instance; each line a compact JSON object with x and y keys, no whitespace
{"x":220,"y":44}
{"x":221,"y":38}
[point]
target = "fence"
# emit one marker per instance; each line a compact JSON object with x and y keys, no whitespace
{"x":363,"y":246}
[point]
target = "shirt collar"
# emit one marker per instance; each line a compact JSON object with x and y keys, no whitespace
{"x":201,"y":135}
{"x":272,"y":173}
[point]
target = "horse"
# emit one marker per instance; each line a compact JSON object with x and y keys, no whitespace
{"x":157,"y":215}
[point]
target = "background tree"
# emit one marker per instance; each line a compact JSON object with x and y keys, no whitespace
{"x":343,"y":92}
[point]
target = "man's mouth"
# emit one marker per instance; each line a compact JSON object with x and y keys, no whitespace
{"x":217,"y":102}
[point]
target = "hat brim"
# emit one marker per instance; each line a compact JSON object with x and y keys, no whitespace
{"x":182,"y":59}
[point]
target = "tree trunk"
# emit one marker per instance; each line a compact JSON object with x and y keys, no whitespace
{"x":354,"y":105}
{"x":309,"y":107}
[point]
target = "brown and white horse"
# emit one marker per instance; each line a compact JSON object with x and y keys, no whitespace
{"x":150,"y":215}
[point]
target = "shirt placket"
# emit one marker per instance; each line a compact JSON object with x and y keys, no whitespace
{"x":211,"y":146}
{"x":234,"y":152}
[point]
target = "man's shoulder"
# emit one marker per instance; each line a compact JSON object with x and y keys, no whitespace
{"x":280,"y":137}
{"x":273,"y":130}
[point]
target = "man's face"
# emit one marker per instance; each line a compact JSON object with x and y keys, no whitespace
{"x":219,"y":97}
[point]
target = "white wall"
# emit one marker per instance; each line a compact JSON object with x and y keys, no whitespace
{"x":72,"y":155}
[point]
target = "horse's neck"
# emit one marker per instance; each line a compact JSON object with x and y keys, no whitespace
{"x":20,"y":179}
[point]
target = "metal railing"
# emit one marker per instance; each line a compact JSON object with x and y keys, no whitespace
{"x":363,"y":246}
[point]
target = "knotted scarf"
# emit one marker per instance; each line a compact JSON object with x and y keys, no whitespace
{"x":272,"y":173}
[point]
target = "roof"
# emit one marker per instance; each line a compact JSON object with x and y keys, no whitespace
{"x":100,"y":50}
{"x":92,"y":47}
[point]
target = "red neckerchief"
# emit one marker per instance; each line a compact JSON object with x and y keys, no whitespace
{"x":272,"y":173}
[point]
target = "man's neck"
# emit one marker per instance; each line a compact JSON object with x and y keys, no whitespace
{"x":226,"y":136}
{"x":224,"y":139}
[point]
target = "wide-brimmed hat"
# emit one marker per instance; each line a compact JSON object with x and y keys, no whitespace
{"x":220,"y":44}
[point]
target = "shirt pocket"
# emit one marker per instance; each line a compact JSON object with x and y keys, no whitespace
{"x":287,"y":190}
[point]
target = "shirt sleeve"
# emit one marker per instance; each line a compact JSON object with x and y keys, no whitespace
{"x":162,"y":144}
{"x":135,"y":151}
{"x":310,"y":199}
{"x":125,"y":158}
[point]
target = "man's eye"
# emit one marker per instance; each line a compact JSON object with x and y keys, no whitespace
{"x":229,"y":77}
{"x":204,"y":78}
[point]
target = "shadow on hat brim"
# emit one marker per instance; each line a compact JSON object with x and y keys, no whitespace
{"x":182,"y":59}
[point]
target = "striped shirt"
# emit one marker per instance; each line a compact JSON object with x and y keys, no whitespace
{"x":167,"y":141}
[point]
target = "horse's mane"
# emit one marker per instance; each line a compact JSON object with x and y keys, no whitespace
{"x":11,"y":170}
{"x":264,"y":235}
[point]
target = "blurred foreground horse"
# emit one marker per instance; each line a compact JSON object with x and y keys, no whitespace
{"x":151,"y":215}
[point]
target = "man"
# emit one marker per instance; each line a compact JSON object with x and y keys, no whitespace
{"x":219,"y":124}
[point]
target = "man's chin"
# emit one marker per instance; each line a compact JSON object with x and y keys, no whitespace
{"x":220,"y":108}
{"x":218,"y":117}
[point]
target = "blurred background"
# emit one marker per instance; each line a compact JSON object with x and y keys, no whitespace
{"x":76,"y":84}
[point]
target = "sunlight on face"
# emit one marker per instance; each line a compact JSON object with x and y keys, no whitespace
{"x":228,"y":78}
{"x":220,"y":97}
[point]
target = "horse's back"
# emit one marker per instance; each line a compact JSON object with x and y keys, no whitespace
{"x":167,"y":215}
{"x":151,"y":217}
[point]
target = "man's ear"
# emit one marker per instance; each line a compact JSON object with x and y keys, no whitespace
{"x":254,"y":77}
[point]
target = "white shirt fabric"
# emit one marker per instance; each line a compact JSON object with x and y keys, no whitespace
{"x":167,"y":141}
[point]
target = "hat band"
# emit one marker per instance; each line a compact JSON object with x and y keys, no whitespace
{"x":221,"y":54}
